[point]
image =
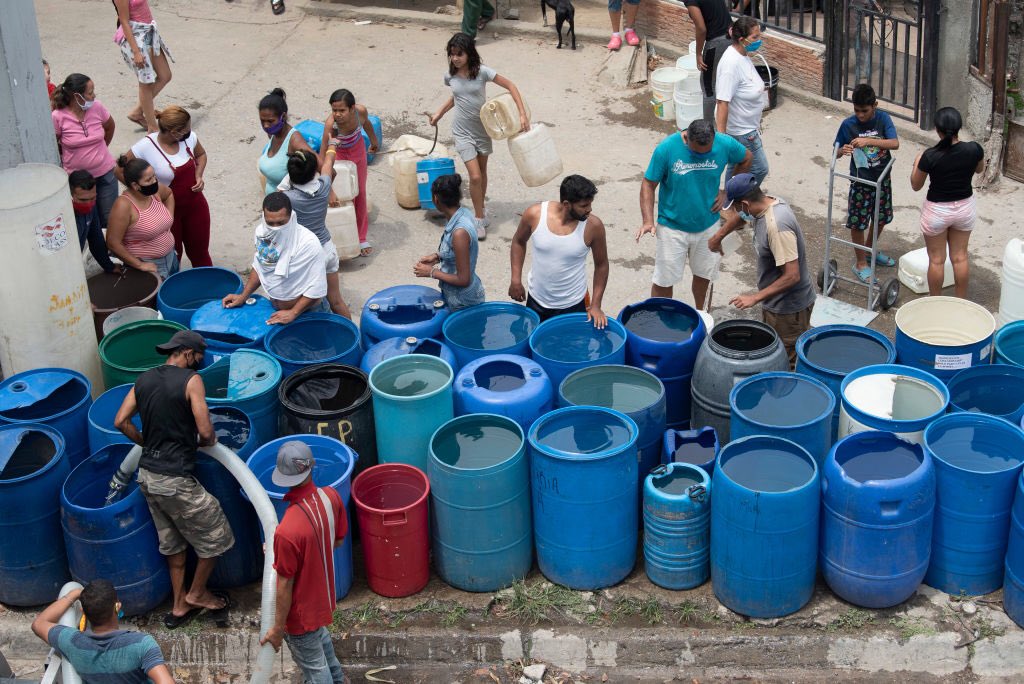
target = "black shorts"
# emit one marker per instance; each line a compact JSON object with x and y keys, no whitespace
{"x":546,"y":313}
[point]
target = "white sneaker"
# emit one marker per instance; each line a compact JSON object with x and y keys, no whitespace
{"x":481,"y":228}
{"x":487,"y":218}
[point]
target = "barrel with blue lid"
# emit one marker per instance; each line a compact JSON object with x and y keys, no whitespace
{"x":131,"y":350}
{"x":663,"y":337}
{"x":877,"y":509}
{"x":830,"y":352}
{"x":1009,"y":344}
{"x":314,"y":338}
{"x":481,"y":527}
{"x":398,"y":346}
{"x":333,"y":467}
{"x":228,"y":330}
{"x":402,"y":311}
{"x":764,"y":526}
{"x":58,"y":397}
{"x":504,"y":384}
{"x":101,"y":419}
{"x":490,"y":328}
{"x":696,"y":447}
{"x":583,"y":476}
{"x":677,"y":526}
{"x":784,"y":404}
{"x":33,"y":467}
{"x":997,"y":390}
{"x":893,"y":398}
{"x":1013,"y":584}
{"x":247,"y":380}
{"x":943,"y":335}
{"x":428,"y":170}
{"x":978,"y":461}
{"x":116,"y":541}
{"x":184,"y":292}
{"x":566,"y":343}
{"x":632,"y":391}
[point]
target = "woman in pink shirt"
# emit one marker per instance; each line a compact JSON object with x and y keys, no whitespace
{"x":144,"y":51}
{"x":84,"y":129}
{"x":140,"y":222}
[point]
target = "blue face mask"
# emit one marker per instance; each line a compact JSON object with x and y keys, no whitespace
{"x":755,"y":46}
{"x":746,"y":217}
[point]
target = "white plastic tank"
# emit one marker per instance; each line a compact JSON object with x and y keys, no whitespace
{"x":913,"y":271}
{"x":346,"y":180}
{"x":44,"y":301}
{"x":663,"y":85}
{"x":129,"y":314}
{"x":1011,"y":297}
{"x":535,"y":155}
{"x":500,"y":116}
{"x":341,"y":224}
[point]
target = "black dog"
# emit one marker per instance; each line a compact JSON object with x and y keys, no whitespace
{"x":564,"y":11}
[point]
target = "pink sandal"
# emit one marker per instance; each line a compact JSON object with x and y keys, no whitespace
{"x":616,"y":42}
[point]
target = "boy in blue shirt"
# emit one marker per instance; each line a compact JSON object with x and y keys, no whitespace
{"x":868,"y":136}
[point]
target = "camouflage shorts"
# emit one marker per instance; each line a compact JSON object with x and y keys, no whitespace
{"x":185,"y":514}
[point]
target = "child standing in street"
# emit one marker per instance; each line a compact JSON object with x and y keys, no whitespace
{"x":868,"y":137}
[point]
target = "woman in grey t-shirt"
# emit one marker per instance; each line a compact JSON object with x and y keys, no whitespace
{"x":468,"y":78}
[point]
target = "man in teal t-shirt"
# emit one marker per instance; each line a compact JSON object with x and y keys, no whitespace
{"x":687,"y":169}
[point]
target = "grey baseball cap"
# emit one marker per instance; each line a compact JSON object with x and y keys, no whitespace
{"x":294,"y":463}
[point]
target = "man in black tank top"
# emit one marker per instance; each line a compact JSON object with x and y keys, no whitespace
{"x":171,"y":401}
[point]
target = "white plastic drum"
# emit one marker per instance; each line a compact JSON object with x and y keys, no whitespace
{"x":129,"y":314}
{"x":891,"y":398}
{"x":1011,"y":298}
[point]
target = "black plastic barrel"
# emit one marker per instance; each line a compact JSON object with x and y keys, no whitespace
{"x":770,"y":76}
{"x":331,"y":399}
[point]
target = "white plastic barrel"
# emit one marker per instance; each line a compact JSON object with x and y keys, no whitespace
{"x":535,"y":155}
{"x":913,"y":271}
{"x":500,"y":116}
{"x":663,"y":85}
{"x":129,"y":314}
{"x":341,"y":224}
{"x":44,"y":300}
{"x":1011,"y":298}
{"x":346,"y":180}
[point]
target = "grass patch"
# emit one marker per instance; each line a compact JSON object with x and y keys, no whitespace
{"x":450,"y":613}
{"x":541,"y":601}
{"x":853,"y":618}
{"x":647,"y":608}
{"x":687,"y":612}
{"x":907,"y":627}
{"x":986,"y":630}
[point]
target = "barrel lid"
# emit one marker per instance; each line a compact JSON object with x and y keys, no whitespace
{"x":39,"y":389}
{"x":248,"y":321}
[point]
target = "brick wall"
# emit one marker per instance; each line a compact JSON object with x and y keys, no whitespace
{"x":801,"y":63}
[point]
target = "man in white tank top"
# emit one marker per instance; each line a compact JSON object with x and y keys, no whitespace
{"x":562,"y":235}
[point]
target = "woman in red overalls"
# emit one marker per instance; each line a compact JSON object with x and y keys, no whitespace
{"x":179,"y":160}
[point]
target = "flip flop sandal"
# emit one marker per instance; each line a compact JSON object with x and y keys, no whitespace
{"x":884,"y":260}
{"x":223,"y":596}
{"x":863,"y":274}
{"x":480,"y":25}
{"x":277,"y":6}
{"x":141,"y":123}
{"x":172,"y":621}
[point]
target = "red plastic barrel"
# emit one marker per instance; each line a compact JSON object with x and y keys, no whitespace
{"x":394,"y":523}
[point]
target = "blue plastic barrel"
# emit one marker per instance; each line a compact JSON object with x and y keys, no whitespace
{"x":116,"y":542}
{"x":891,"y":398}
{"x":632,"y":391}
{"x":101,"y":419}
{"x":978,"y":461}
{"x":490,"y":328}
{"x":505,"y":384}
{"x":583,"y":478}
{"x":877,"y":508}
{"x":566,"y":343}
{"x":399,"y":346}
{"x":402,"y":311}
{"x":784,"y":404}
{"x":1009,"y":344}
{"x":33,"y":466}
{"x":312,"y":132}
{"x":412,"y":397}
{"x":696,"y":447}
{"x":184,"y":292}
{"x":314,"y":338}
{"x":333,"y":468}
{"x":247,"y":380}
{"x":943,"y":335}
{"x":677,"y":526}
{"x":663,"y":337}
{"x":378,"y":130}
{"x":764,"y":526}
{"x":829,"y":352}
{"x":481,"y":528}
{"x":997,"y":390}
{"x":1013,"y":586}
{"x":428,"y":170}
{"x":57,"y":397}
{"x":228,"y":330}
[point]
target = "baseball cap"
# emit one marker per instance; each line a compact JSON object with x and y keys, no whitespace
{"x":294,"y":461}
{"x":738,"y":186}
{"x":189,"y":339}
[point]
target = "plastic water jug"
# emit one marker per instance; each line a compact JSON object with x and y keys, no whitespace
{"x":500,"y":116}
{"x":407,"y":192}
{"x":535,"y":155}
{"x":913,"y":272}
{"x":346,"y":180}
{"x":1011,"y":298}
{"x":341,"y":224}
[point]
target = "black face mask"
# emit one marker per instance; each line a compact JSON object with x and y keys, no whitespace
{"x":150,"y":189}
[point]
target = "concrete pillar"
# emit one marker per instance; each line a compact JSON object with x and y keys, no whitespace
{"x":957,"y":27}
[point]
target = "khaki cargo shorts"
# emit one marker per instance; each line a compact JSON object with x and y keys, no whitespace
{"x":185,"y":514}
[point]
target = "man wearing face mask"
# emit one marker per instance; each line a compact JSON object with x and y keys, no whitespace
{"x":87,"y":217}
{"x":171,"y":401}
{"x":784,"y":288}
{"x":289,"y":263}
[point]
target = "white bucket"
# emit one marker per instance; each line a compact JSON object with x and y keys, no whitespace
{"x":913,"y":271}
{"x":129,"y":314}
{"x":686,"y":114}
{"x":688,"y":63}
{"x":686,"y":98}
{"x":690,"y":84}
{"x":663,"y":85}
{"x":1011,"y":298}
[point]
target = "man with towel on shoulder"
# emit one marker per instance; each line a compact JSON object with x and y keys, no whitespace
{"x":289,"y":264}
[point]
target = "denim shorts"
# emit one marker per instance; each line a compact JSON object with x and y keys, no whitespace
{"x":616,"y":5}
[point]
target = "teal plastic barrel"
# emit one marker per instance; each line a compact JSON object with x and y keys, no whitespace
{"x":677,"y":526}
{"x":1009,"y":344}
{"x":247,"y":380}
{"x":1013,"y":586}
{"x":481,"y":528}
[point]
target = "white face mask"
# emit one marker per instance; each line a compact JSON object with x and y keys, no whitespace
{"x":83,"y":103}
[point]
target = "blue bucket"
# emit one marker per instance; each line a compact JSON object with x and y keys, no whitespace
{"x":677,"y":526}
{"x":583,"y":478}
{"x":978,"y":461}
{"x":996,"y":390}
{"x":891,"y":398}
{"x":696,"y":447}
{"x":57,"y":397}
{"x":764,"y":526}
{"x":787,"y":405}
{"x":228,"y":330}
{"x":427,"y":171}
{"x":566,"y":343}
{"x":184,"y":292}
{"x":314,"y":338}
{"x":877,"y":509}
{"x":101,"y":419}
{"x":399,"y":346}
{"x":1010,"y":344}
{"x":490,"y":328}
{"x":247,"y":380}
{"x":402,"y":311}
{"x":1013,"y":585}
{"x":504,"y":384}
{"x":943,"y":335}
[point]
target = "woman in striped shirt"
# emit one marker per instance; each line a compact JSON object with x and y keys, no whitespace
{"x":139,"y":231}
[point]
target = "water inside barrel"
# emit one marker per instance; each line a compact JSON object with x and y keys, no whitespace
{"x":490,"y":330}
{"x":782,"y":401}
{"x":232,"y":426}
{"x":742,"y":338}
{"x":30,"y":453}
{"x":499,"y":376}
{"x":763,"y":469}
{"x":583,"y":432}
{"x":978,"y":449}
{"x":843,"y":351}
{"x":413,"y":381}
{"x":313,"y":340}
{"x":661,"y":324}
{"x":403,"y":314}
{"x":890,"y":460}
{"x":693,"y":453}
{"x":578,"y":343}
{"x":676,"y":483}
{"x":622,"y":392}
{"x":478,"y":445}
{"x":998,"y":395}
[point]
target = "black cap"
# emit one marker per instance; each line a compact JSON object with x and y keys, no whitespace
{"x":189,"y":339}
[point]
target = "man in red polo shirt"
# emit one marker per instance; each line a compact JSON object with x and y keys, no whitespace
{"x":313,"y":525}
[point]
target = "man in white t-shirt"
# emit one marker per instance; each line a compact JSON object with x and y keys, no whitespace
{"x":741,"y":94}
